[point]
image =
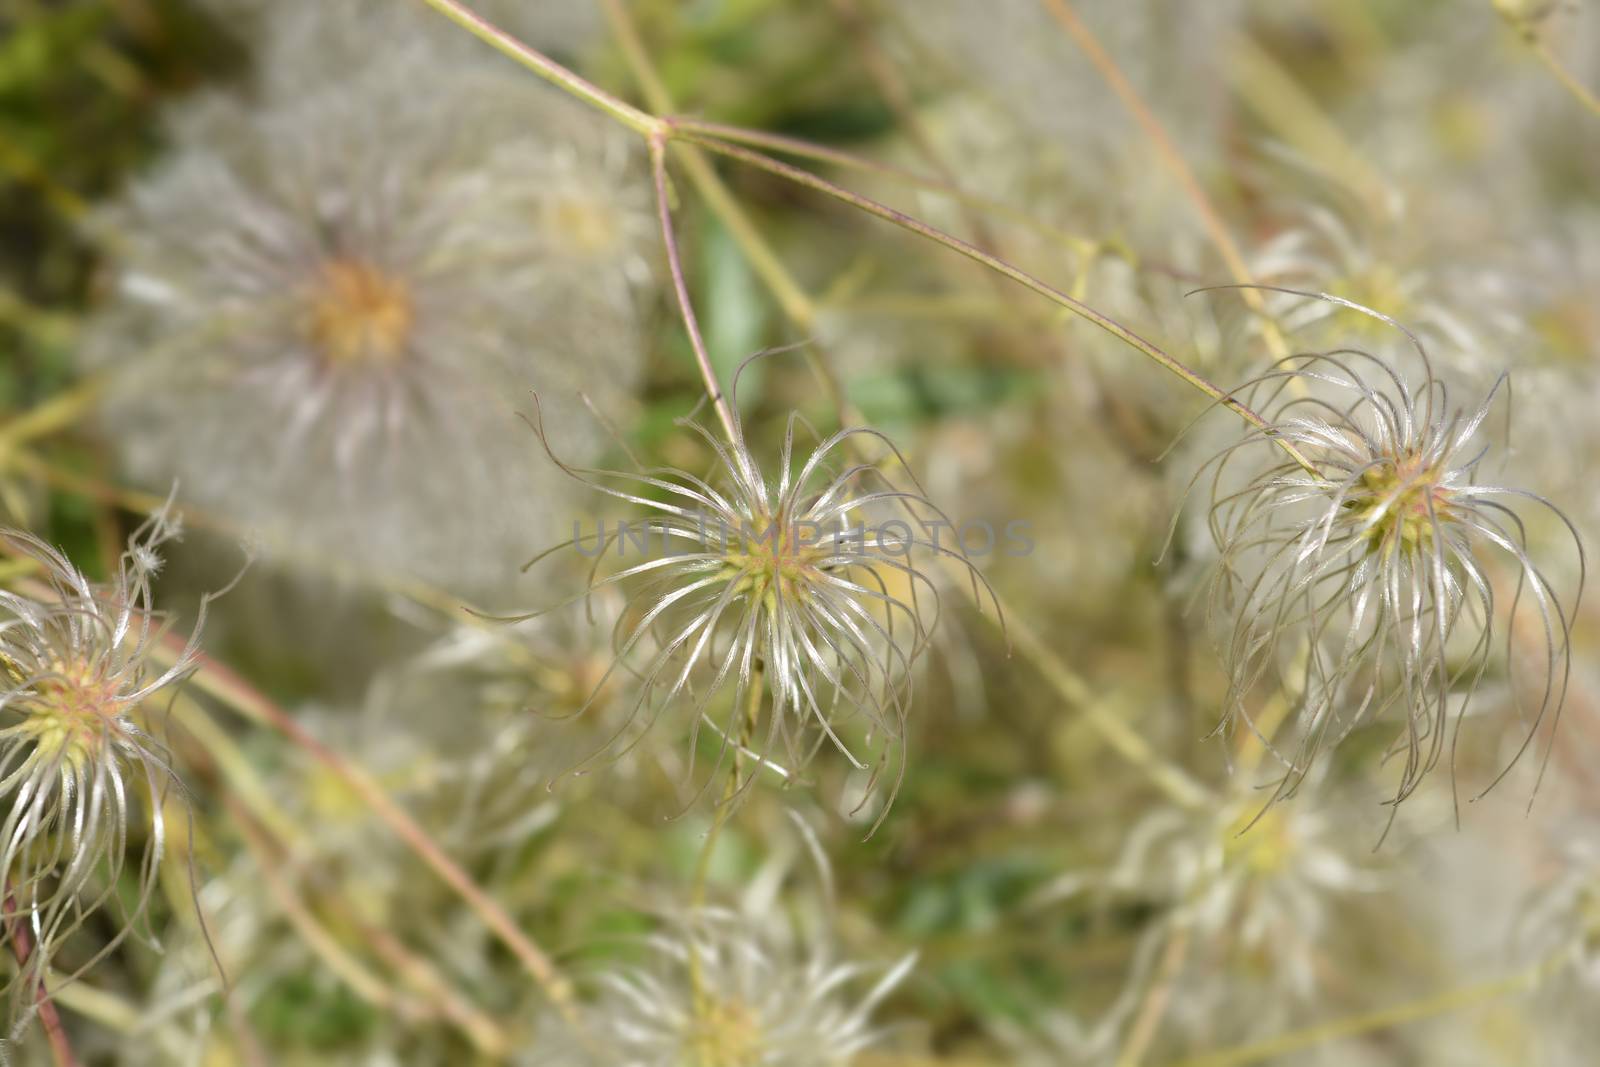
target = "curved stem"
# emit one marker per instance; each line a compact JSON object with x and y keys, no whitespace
{"x":1579,"y":91}
{"x":1156,"y":999}
{"x":233,"y":691}
{"x":49,"y":1018}
{"x":1171,"y":779}
{"x":658,"y":170}
{"x":545,"y":67}
{"x":1370,"y":1022}
{"x":1173,"y":160}
{"x":1021,"y":277}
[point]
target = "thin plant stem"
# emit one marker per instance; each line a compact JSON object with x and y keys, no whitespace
{"x":956,"y":244}
{"x":60,"y":411}
{"x":221,"y":683}
{"x":1579,"y":91}
{"x":354,"y":974}
{"x":1147,"y":1021}
{"x":795,"y":303}
{"x":104,"y":1007}
{"x":897,"y":94}
{"x":1128,"y":743}
{"x":1283,"y":105}
{"x":794,"y":146}
{"x":1369,"y":1022}
{"x":49,"y":1017}
{"x":702,"y":867}
{"x":708,"y":373}
{"x":798,"y":306}
{"x":1021,"y":277}
{"x":1172,"y":159}
{"x":546,"y":68}
{"x":792,"y":299}
{"x":272,"y":838}
{"x":664,"y":129}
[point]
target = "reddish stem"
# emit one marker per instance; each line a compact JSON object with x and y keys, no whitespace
{"x":49,"y":1018}
{"x":658,"y":168}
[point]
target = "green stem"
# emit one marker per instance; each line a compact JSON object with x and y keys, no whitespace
{"x":1021,"y":277}
{"x":60,"y":411}
{"x":1579,"y":91}
{"x":1370,"y":1022}
{"x":1172,"y":780}
{"x":546,"y":68}
{"x":703,"y":1006}
{"x":1167,"y":151}
{"x":653,"y":128}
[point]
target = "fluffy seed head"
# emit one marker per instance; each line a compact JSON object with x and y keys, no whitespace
{"x":74,"y":668}
{"x":326,"y":305}
{"x":720,"y":990}
{"x":783,"y":613}
{"x":1560,"y":926}
{"x":1372,"y":571}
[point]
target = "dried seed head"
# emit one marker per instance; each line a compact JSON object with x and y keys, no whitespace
{"x":1372,"y":570}
{"x":784,"y":614}
{"x":75,"y":665}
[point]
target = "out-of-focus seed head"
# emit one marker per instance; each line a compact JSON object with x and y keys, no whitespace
{"x":722,"y":990}
{"x":1254,"y":895}
{"x":326,"y":304}
{"x":1393,"y":259}
{"x":1372,"y":570}
{"x":1560,"y":927}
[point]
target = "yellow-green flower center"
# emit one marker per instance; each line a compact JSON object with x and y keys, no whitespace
{"x":1402,"y":501}
{"x":70,"y":713}
{"x":1260,"y":843}
{"x":775,"y":558}
{"x":726,"y":1034}
{"x":585,"y":224}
